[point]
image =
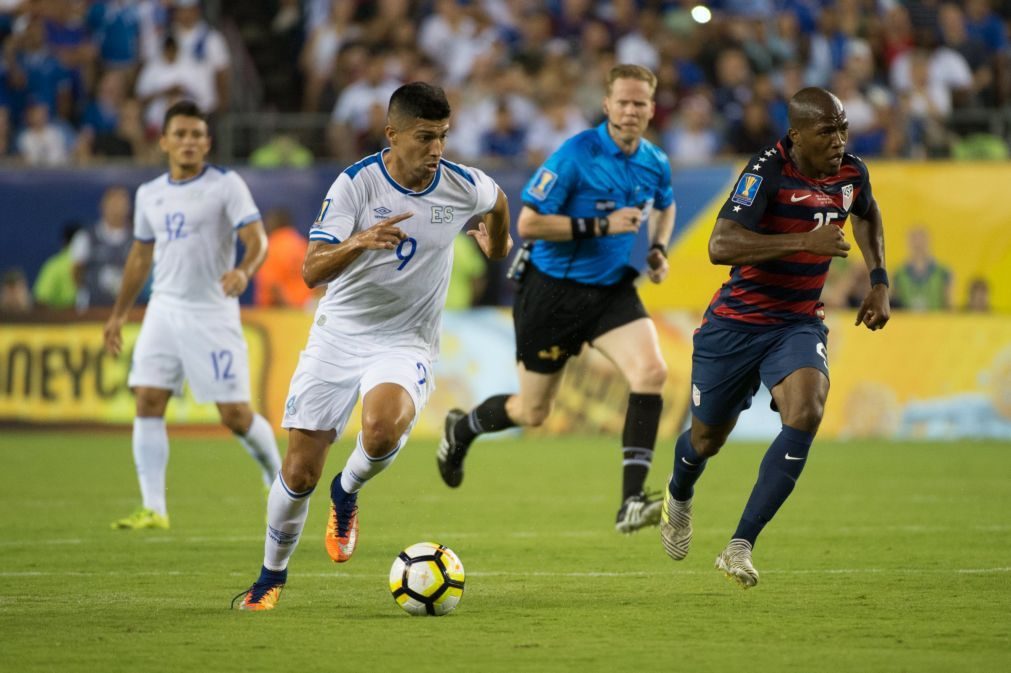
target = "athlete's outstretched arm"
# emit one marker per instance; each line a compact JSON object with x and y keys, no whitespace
{"x":254,"y":239}
{"x":732,"y":243}
{"x":325,"y":261}
{"x":492,"y":233}
{"x":869,"y":232}
{"x":135,"y":273}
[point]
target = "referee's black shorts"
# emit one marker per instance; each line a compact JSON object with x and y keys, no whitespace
{"x":555,"y":317}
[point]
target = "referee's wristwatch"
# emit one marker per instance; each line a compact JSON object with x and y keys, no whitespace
{"x":603,"y":225}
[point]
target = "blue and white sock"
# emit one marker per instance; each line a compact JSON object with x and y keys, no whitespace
{"x":150,"y":457}
{"x":286,"y":514}
{"x":261,"y":443}
{"x":362,"y":467}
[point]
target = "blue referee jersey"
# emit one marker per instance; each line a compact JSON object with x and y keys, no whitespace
{"x":589,"y":176}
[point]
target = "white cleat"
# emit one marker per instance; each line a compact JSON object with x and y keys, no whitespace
{"x":638,"y":511}
{"x":676,"y":526}
{"x":735,"y":562}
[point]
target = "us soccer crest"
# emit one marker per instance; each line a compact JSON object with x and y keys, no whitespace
{"x":847,"y":197}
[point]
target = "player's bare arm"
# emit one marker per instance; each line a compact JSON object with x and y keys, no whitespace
{"x":869,"y":232}
{"x":661,"y":226}
{"x":135,"y":273}
{"x":733,"y":244}
{"x":326,"y":261}
{"x":492,"y":233}
{"x":535,"y":226}
{"x":254,"y":238}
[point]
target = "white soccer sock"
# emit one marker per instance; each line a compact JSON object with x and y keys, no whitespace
{"x":150,"y":456}
{"x":261,"y":444}
{"x":286,"y":514}
{"x":361,"y":467}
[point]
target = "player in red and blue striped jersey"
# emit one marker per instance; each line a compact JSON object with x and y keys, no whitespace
{"x":779,"y":230}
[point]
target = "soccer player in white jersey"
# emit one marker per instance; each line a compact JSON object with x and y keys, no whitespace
{"x":383,"y":242}
{"x":187,"y":221}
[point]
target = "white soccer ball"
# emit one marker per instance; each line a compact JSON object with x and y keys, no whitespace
{"x":427,"y":579}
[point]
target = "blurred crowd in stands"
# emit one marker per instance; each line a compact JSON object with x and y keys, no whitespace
{"x":83,"y":80}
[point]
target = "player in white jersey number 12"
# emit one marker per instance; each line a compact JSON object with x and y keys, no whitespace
{"x":383,"y":242}
{"x":188,"y":220}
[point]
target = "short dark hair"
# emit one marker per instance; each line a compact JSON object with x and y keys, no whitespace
{"x":419,"y":100}
{"x":184,"y":108}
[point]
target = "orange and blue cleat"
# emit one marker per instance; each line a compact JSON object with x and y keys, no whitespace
{"x":264,"y":593}
{"x":342,"y":525}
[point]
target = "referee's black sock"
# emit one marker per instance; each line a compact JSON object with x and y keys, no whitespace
{"x":489,"y":416}
{"x":638,"y":439}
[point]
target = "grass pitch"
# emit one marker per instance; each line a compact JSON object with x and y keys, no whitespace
{"x":888,"y":557}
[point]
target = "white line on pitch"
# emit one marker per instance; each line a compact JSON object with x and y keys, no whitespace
{"x":506,"y":573}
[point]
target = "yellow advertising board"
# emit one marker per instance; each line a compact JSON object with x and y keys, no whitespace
{"x":926,"y":375}
{"x":59,"y":373}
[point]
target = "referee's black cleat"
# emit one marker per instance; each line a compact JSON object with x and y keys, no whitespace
{"x":451,"y":453}
{"x":638,"y":511}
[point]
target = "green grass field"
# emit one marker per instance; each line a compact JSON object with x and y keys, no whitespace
{"x":888,"y":557}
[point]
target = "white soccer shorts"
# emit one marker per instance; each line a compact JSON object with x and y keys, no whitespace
{"x":327,"y":383}
{"x":204,"y":348}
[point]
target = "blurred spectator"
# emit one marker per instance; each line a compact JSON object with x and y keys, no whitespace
{"x":166,"y":79}
{"x":921,"y":283}
{"x":984,"y":24}
{"x":99,"y":252}
{"x":279,"y":281}
{"x":926,"y":104}
{"x":41,"y":142}
{"x":127,"y":139}
{"x":54,"y":286}
{"x":452,"y":24}
{"x":469,"y":275}
{"x":115,"y":28}
{"x":351,"y":113}
{"x":15,"y":297}
{"x":955,"y":36}
{"x":319,"y":55}
{"x":203,"y":50}
{"x":978,"y":296}
{"x":281,"y":150}
{"x":733,"y":85}
{"x":557,"y":122}
{"x":102,"y":113}
{"x":754,"y":132}
{"x":503,"y":142}
{"x":35,"y":74}
{"x":692,"y":138}
{"x":847,"y":284}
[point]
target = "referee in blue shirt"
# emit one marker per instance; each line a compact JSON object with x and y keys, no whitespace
{"x":583,"y":208}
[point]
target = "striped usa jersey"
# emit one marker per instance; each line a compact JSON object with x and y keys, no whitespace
{"x":773,"y":197}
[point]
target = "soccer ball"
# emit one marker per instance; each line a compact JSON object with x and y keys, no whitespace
{"x":427,"y":579}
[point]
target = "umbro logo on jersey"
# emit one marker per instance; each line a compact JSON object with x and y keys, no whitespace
{"x":382,"y":211}
{"x":794,"y":198}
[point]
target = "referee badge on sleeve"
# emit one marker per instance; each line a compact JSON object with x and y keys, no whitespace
{"x":542,"y":183}
{"x":747,"y":189}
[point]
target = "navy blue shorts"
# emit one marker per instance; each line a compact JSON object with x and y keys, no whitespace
{"x":728,"y":365}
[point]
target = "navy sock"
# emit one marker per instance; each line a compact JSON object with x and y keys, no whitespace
{"x":688,"y":467}
{"x":638,"y":439}
{"x":272,"y":577}
{"x":489,"y":416}
{"x":337,"y":492}
{"x":780,"y":469}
